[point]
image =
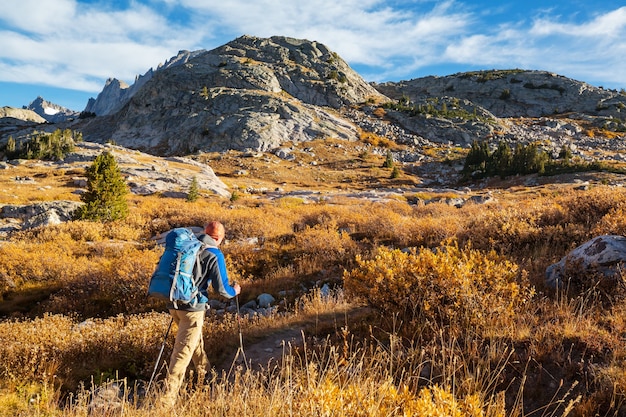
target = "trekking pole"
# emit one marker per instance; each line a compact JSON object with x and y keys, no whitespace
{"x":240,"y":334}
{"x":156,"y":365}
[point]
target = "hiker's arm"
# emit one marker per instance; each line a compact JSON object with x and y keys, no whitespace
{"x":220,"y":282}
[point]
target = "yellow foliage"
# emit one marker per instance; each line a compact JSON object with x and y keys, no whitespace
{"x":447,"y":287}
{"x":377,"y":140}
{"x":55,"y":344}
{"x":383,"y":398}
{"x":379,"y":112}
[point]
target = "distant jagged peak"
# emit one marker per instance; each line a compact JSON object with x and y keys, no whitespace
{"x":182,"y":57}
{"x":51,"y":112}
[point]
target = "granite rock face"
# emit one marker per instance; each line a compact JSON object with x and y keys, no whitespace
{"x":116,"y":93}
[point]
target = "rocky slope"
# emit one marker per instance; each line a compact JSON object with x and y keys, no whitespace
{"x":12,"y":120}
{"x":24,"y":115}
{"x":515,"y":93}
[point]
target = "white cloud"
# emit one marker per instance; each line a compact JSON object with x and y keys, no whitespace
{"x":79,"y":45}
{"x":35,"y":16}
{"x":611,"y":24}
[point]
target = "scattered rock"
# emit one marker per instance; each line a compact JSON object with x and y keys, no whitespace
{"x":602,"y":255}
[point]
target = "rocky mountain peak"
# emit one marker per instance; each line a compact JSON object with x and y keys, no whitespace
{"x":251,"y":93}
{"x":52,"y":113}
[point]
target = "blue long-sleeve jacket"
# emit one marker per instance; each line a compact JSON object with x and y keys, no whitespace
{"x":212,"y":271}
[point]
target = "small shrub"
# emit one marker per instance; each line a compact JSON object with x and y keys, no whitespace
{"x":388,"y":160}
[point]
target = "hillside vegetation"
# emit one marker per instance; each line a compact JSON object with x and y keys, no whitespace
{"x":403,"y":230}
{"x":433,"y":309}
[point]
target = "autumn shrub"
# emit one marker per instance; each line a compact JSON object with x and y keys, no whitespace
{"x":114,"y":280}
{"x":612,"y":223}
{"x":24,"y":262}
{"x":324,"y":246}
{"x":264,"y":222}
{"x":589,"y":207}
{"x":75,"y":350}
{"x":447,"y":288}
{"x":158,"y":214}
{"x":86,"y":231}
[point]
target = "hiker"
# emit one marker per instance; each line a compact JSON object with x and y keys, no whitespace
{"x":189,"y":344}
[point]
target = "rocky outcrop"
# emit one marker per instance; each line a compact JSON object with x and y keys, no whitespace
{"x":251,"y":93}
{"x":117,"y":93}
{"x":25,"y":115}
{"x":40,"y":214}
{"x":146,"y":174}
{"x":13,"y":121}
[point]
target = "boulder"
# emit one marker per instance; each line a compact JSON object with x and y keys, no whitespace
{"x":265,"y":300}
{"x":602,"y":255}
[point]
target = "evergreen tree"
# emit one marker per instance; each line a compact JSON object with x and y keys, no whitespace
{"x":388,"y":160}
{"x":565,"y":155}
{"x":204,"y":93}
{"x":500,"y":160}
{"x":10,"y":149}
{"x":194,"y":190}
{"x":476,"y":159}
{"x":105,"y":199}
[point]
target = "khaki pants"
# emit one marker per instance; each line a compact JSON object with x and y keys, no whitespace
{"x":188,"y":347}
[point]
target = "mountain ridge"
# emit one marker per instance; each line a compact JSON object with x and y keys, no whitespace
{"x":262,"y":93}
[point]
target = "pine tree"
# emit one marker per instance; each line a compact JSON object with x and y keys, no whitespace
{"x":105,"y":199}
{"x":388,"y":160}
{"x":476,"y":159}
{"x":194,"y":191}
{"x":500,"y":161}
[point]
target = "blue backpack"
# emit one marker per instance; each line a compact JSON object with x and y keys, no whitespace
{"x":173,"y":278}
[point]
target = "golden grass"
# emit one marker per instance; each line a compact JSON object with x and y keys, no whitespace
{"x":75,"y":309}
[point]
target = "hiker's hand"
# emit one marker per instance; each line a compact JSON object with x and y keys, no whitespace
{"x":237,"y":288}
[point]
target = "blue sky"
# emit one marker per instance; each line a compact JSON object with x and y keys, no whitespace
{"x":65,"y":50}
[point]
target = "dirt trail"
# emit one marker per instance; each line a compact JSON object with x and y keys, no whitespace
{"x":259,"y":353}
{"x":266,"y":352}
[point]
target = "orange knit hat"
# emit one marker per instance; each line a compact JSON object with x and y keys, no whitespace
{"x":215,"y":230}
